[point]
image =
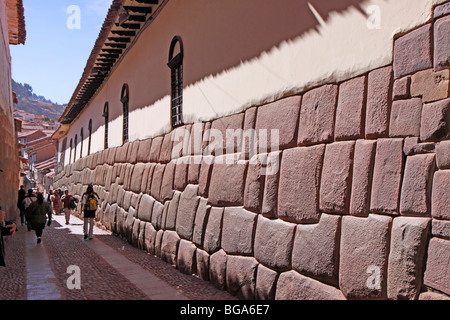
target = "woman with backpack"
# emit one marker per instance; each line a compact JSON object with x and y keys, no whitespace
{"x":89,"y":203}
{"x":38,"y":212}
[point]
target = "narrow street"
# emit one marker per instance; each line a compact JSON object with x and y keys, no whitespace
{"x":106,"y":268}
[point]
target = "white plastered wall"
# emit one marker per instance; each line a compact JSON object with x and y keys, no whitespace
{"x":338,"y":48}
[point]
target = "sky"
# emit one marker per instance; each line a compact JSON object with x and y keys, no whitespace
{"x":60,"y":37}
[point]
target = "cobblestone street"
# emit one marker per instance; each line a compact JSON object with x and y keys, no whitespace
{"x":109,"y":269}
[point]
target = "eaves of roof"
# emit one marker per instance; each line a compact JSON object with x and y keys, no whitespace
{"x":123,"y":23}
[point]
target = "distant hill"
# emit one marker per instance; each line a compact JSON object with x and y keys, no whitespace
{"x":32,"y":103}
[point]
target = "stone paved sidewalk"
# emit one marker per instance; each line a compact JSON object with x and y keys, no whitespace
{"x":110,"y":269}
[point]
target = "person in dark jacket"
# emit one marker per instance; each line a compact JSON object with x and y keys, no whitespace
{"x":39,"y":210}
{"x":7,"y":230}
{"x":20,"y":197}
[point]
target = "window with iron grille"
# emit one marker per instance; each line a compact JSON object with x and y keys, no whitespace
{"x":81,"y":141}
{"x":124,"y":98}
{"x":106,"y":116}
{"x":75,"y":149}
{"x":70,"y":154}
{"x":176,"y":66}
{"x":90,"y":136}
{"x":63,"y":152}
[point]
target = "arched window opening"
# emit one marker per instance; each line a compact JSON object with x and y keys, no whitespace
{"x":125,"y":98}
{"x":106,"y":116}
{"x":176,"y":66}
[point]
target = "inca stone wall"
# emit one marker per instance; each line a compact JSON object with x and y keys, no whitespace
{"x":356,"y":207}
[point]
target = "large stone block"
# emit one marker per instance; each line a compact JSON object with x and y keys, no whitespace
{"x":133,"y":152}
{"x":241,"y":276}
{"x":169,"y":247}
{"x":440,"y":229}
{"x":213,"y":232}
{"x":249,"y":138}
{"x":441,"y":10}
{"x":155,"y":149}
{"x":437,"y":272}
{"x":218,"y":269}
{"x":442,"y":43}
{"x":254,"y":184}
{"x":121,"y":153}
{"x":143,"y":154}
{"x":405,"y":118}
{"x":186,"y":258}
{"x":157,"y":214}
{"x":298,"y":193}
{"x":149,"y":238}
{"x":238,"y":231}
{"x":293,"y":286}
{"x":145,"y":209}
{"x":435,"y":124}
{"x":413,"y":146}
{"x":362,"y":177}
{"x":281,"y":116}
{"x":379,"y":98}
{"x":335,"y":184}
{"x":202,"y":259}
{"x":181,"y":174}
{"x":273,"y":243}
{"x":266,"y":280}
{"x":167,"y":182}
{"x":316,"y":249}
{"x":226,"y":134}
{"x":141,"y":236}
{"x":440,"y":204}
{"x":186,"y":212}
{"x":387,"y":176}
{"x":158,"y":243}
{"x":269,"y":202}
{"x":204,"y":178}
{"x":417,"y":182}
{"x":201,"y":219}
{"x":136,"y":179}
{"x":194,"y":166}
{"x":157,"y":179}
{"x":165,"y":154}
{"x":135,"y":233}
{"x":443,"y":155}
{"x":317,"y":115}
{"x":430,"y":85}
{"x":407,"y":257}
{"x":171,"y":217}
{"x":402,"y":88}
{"x":227,"y":182}
{"x":364,"y":256}
{"x":413,"y":51}
{"x":350,"y":111}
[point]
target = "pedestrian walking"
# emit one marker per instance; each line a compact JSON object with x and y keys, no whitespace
{"x":89,"y":203}
{"x":39,"y":210}
{"x":29,"y":199}
{"x":56,"y":201}
{"x":7,"y":228}
{"x":67,"y":201}
{"x":20,"y":197}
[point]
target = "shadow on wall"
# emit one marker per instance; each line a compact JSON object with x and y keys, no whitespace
{"x":244,"y":29}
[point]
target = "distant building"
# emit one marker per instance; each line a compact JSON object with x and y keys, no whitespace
{"x":12,"y":32}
